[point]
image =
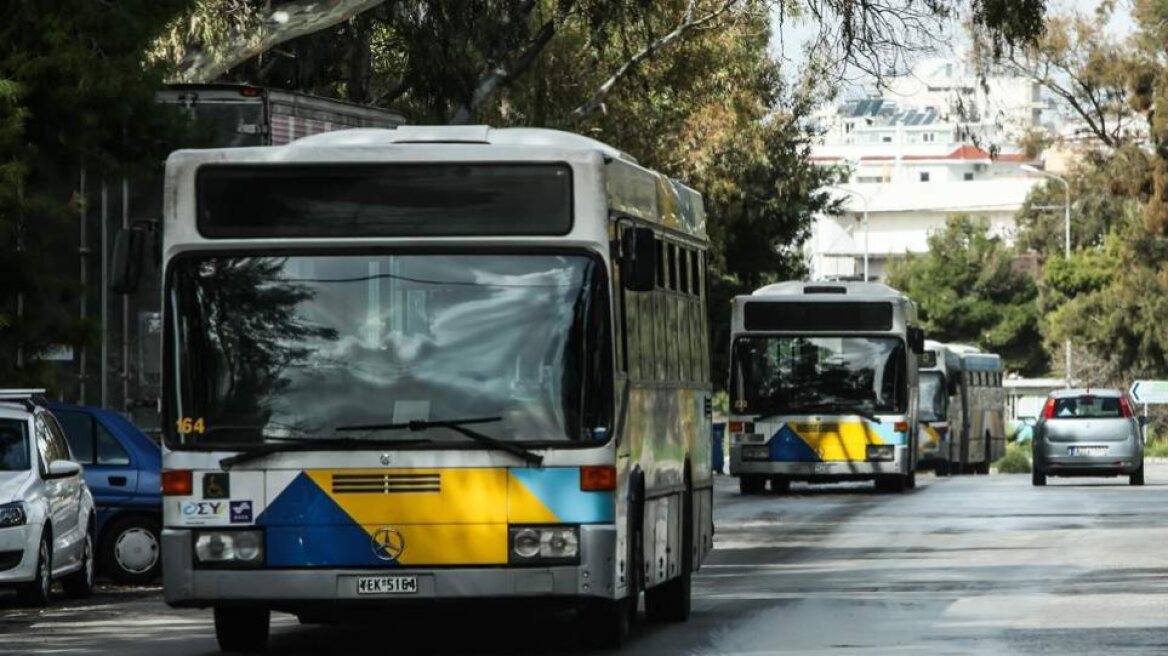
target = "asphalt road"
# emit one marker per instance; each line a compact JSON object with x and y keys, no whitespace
{"x":968,"y":565}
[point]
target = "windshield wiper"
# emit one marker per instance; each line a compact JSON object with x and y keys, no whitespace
{"x":284,"y":444}
{"x":459,"y":426}
{"x":834,"y":406}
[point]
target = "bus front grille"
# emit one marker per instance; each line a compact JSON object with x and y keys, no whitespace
{"x":386,"y":483}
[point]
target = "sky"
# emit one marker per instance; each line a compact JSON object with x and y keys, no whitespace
{"x":788,"y":43}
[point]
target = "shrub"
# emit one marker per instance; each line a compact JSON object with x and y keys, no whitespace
{"x":1016,"y":460}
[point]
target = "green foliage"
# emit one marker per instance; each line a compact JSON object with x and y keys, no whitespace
{"x":74,"y":89}
{"x":1016,"y":460}
{"x":967,"y":292}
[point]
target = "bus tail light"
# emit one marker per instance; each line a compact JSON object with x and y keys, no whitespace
{"x":177,"y":483}
{"x":598,"y":478}
{"x":737,"y":427}
{"x":900,"y":427}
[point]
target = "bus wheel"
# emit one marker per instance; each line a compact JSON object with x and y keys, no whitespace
{"x":242,"y":629}
{"x":910,"y":481}
{"x":780,"y":484}
{"x":942,"y":468}
{"x":607,"y":623}
{"x":893,"y":483}
{"x":751,"y":484}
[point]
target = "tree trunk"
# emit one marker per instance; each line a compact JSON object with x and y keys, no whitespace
{"x":288,"y":21}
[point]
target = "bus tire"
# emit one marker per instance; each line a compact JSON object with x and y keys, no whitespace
{"x":671,"y":601}
{"x":608,"y":623}
{"x":942,"y":468}
{"x":242,"y":629}
{"x":894,"y":483}
{"x":780,"y":484}
{"x":910,"y":481}
{"x":751,"y":484}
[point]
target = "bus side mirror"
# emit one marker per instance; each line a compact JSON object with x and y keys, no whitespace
{"x":916,"y":340}
{"x":129,"y":251}
{"x":638,"y":259}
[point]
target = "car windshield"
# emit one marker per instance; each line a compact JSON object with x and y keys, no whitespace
{"x":934,"y":399}
{"x":787,"y":374}
{"x":299,"y":346}
{"x":14,"y":449}
{"x":1087,"y":407}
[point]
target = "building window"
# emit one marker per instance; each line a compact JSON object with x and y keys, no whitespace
{"x":968,"y":176}
{"x":924,"y":176}
{"x":928,"y":137}
{"x":886,"y":138}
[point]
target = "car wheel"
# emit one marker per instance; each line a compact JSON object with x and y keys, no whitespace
{"x":79,"y":584}
{"x":1137,"y":477}
{"x":131,"y":551}
{"x":38,"y":591}
{"x":242,"y":629}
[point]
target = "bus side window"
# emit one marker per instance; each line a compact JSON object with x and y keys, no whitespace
{"x":661,"y":280}
{"x":646,"y":320}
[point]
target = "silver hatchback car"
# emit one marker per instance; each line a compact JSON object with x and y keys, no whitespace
{"x":1088,"y":433}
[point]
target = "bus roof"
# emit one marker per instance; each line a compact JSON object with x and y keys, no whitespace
{"x":829,"y":290}
{"x":461,"y":134}
{"x":981,"y":362}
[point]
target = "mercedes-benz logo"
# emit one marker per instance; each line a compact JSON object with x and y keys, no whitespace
{"x":386,"y":459}
{"x":388,"y":543}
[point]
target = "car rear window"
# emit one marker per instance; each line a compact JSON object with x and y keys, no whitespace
{"x":1087,"y":407}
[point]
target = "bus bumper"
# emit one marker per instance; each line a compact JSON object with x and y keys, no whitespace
{"x":840,"y":470}
{"x":186,"y":586}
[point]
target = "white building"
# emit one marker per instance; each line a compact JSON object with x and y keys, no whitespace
{"x":914,"y":163}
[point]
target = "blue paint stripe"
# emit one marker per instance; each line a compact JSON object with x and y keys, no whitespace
{"x":558,"y":488}
{"x":305,"y":528}
{"x":787,"y":446}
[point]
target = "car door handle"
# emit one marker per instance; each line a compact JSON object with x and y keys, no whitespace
{"x":119,"y":481}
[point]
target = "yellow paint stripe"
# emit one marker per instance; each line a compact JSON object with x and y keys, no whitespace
{"x":524,"y":507}
{"x":468,"y":496}
{"x":840,"y":442}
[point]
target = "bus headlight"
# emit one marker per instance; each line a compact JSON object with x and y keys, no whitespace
{"x":756,"y":452}
{"x":229,"y":548}
{"x":544,"y":545}
{"x":881,"y":452}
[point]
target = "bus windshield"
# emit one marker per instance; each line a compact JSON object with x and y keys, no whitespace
{"x":284,"y":347}
{"x":794,"y":374}
{"x":934,"y":397}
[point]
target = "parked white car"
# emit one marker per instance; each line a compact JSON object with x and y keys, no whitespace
{"x":46,"y":510}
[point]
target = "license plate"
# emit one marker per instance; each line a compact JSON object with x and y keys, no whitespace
{"x":1087,"y":450}
{"x":387,"y":585}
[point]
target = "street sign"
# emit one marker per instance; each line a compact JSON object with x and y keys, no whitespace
{"x":1150,"y":391}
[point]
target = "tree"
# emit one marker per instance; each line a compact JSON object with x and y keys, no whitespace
{"x":73,"y":81}
{"x":967,"y":292}
{"x":1092,"y":74}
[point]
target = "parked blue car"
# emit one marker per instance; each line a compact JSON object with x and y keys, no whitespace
{"x":122,"y":469}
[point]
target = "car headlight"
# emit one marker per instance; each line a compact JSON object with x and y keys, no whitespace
{"x":544,"y":544}
{"x":230,"y":548}
{"x":756,"y":452}
{"x":881,"y":452}
{"x":12,"y":514}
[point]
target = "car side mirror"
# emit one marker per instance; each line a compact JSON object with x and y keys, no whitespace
{"x":638,"y":259}
{"x":1143,"y":419}
{"x":63,"y":469}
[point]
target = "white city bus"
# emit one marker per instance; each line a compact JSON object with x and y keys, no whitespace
{"x":432,"y":363}
{"x":977,"y":409}
{"x":935,"y":381}
{"x":823,"y":385}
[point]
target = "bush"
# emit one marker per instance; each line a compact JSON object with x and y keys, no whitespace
{"x":1156,"y":448}
{"x":1016,"y":460}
